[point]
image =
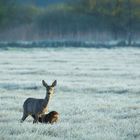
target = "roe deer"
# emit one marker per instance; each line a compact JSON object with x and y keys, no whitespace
{"x":51,"y":117}
{"x":38,"y":107}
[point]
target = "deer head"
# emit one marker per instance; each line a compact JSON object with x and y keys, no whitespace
{"x":49,"y":88}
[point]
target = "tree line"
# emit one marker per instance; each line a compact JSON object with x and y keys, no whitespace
{"x":120,"y":17}
{"x":13,"y":14}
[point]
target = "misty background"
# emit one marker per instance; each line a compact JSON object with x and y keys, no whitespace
{"x":86,"y":20}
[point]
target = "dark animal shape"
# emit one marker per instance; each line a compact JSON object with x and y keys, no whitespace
{"x":51,"y":117}
{"x":38,"y":107}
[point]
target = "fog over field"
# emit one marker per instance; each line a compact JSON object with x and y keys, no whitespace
{"x":97,"y":95}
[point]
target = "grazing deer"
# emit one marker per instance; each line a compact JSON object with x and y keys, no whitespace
{"x":51,"y":117}
{"x":38,"y":107}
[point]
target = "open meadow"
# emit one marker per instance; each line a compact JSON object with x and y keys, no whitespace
{"x":97,"y":95}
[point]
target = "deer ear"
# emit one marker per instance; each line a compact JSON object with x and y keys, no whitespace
{"x":54,"y":83}
{"x":44,"y":83}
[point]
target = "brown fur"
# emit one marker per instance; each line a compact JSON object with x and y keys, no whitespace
{"x":51,"y":117}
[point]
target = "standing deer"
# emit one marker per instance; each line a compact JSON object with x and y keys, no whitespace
{"x":38,"y":107}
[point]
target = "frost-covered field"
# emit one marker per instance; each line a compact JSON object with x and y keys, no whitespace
{"x":97,"y":96}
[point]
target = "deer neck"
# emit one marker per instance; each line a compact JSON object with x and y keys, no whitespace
{"x":46,"y":100}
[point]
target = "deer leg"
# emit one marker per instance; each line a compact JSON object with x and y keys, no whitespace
{"x":24,"y":117}
{"x":41,"y":119}
{"x":36,"y":119}
{"x":33,"y":116}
